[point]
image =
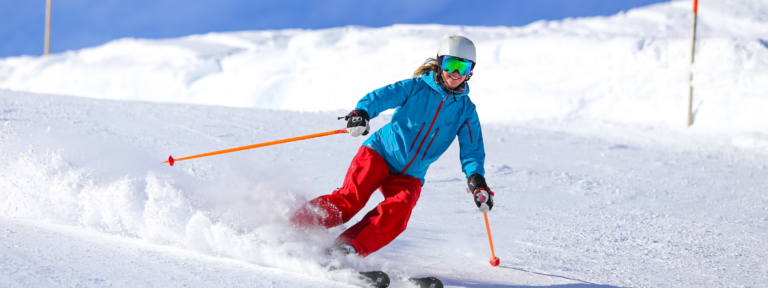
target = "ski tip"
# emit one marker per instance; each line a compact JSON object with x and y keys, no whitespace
{"x":495,"y":261}
{"x":170,"y":160}
{"x":376,"y":279}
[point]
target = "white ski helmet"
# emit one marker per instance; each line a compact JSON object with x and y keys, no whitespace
{"x":457,"y":46}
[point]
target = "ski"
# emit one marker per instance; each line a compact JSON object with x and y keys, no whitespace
{"x":427,"y":282}
{"x":376,"y":279}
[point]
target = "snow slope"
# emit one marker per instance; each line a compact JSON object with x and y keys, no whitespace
{"x":631,"y":67}
{"x":577,"y":203}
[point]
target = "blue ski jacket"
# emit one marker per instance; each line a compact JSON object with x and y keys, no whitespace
{"x":426,"y":121}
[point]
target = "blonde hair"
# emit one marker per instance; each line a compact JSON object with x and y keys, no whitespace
{"x":429,"y":65}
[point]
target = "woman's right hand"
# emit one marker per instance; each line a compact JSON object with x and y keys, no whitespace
{"x":357,"y":123}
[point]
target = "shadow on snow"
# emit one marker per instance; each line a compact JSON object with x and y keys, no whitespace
{"x":583,"y":284}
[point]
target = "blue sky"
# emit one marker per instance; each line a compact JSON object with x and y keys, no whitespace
{"x":82,"y":23}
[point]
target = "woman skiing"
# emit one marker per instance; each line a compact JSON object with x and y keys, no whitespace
{"x":432,"y":109}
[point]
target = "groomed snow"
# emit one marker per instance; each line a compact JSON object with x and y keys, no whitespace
{"x":597,"y":183}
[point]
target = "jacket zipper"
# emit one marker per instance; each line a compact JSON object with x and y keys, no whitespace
{"x":430,"y":143}
{"x":417,"y":136}
{"x":425,"y":136}
{"x":470,"y":133}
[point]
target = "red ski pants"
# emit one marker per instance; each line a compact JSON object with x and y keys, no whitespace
{"x":380,"y":226}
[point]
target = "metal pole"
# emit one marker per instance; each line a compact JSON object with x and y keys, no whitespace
{"x":494,"y":261}
{"x":47,"y":27}
{"x":171,"y":160}
{"x":690,"y":71}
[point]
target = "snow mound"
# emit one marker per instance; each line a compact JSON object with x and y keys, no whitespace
{"x":631,"y":67}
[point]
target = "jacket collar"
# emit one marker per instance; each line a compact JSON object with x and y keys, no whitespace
{"x":429,"y":78}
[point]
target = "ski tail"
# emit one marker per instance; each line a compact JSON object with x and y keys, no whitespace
{"x":376,"y":279}
{"x":427,"y":282}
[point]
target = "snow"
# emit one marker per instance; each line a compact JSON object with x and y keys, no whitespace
{"x":597,"y":182}
{"x":45,"y":255}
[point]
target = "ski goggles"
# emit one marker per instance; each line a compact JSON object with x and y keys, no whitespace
{"x":450,"y":64}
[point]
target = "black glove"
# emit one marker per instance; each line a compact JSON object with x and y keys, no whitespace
{"x":357,"y":123}
{"x":482,"y":195}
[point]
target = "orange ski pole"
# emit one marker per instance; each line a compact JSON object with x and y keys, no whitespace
{"x":171,"y":160}
{"x":494,"y":261}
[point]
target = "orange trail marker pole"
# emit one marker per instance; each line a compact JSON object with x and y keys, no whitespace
{"x":171,"y":160}
{"x":494,"y":261}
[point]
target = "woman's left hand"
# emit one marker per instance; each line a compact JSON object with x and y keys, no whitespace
{"x":481,"y":193}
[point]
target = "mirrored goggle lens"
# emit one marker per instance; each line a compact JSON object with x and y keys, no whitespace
{"x":450,"y":64}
